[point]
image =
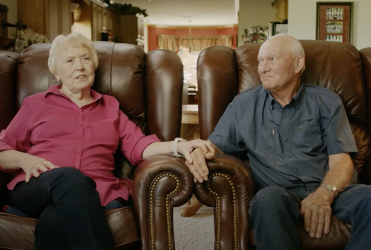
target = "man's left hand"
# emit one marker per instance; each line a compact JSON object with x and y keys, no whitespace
{"x":316,"y":209}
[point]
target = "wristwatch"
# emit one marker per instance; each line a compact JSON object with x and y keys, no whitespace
{"x":330,"y":187}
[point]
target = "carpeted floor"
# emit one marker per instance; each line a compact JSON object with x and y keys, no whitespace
{"x":195,"y":232}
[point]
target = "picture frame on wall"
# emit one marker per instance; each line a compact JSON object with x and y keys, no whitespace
{"x":281,"y":28}
{"x":334,"y":21}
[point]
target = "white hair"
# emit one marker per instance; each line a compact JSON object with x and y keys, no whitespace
{"x":62,"y":42}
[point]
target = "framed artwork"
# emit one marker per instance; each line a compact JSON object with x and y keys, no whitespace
{"x":255,"y":34}
{"x":334,"y":21}
{"x":281,"y":29}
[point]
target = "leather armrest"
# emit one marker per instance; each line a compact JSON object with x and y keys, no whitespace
{"x":160,"y":183}
{"x":230,"y":190}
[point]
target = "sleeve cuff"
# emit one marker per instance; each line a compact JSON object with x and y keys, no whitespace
{"x":136,"y":156}
{"x":351,"y":150}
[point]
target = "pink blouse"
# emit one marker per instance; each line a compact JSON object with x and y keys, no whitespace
{"x":49,"y":125}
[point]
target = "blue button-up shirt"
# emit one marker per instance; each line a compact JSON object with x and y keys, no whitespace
{"x":286,"y":145}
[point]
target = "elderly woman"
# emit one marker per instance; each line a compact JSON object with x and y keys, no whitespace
{"x":59,"y":151}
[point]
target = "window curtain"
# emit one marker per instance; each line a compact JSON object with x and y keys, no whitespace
{"x":196,"y":43}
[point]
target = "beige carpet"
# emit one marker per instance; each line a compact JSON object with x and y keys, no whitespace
{"x":195,"y":232}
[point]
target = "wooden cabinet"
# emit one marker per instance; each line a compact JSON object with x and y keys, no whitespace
{"x":46,"y":17}
{"x":102,"y":17}
{"x":128,"y":28}
{"x":54,"y":17}
{"x":133,"y":29}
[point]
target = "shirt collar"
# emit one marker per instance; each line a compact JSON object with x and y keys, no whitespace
{"x":296,"y":100}
{"x":54,"y":89}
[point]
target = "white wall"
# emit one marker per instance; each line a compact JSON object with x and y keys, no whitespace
{"x":12,"y":15}
{"x":255,"y":13}
{"x":302,"y":20}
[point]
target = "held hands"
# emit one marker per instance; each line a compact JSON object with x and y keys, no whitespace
{"x":31,"y":165}
{"x":196,"y":152}
{"x":187,"y":147}
{"x":316,"y":209}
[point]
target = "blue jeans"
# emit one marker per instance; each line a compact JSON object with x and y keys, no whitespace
{"x":69,"y":210}
{"x":275,"y":212}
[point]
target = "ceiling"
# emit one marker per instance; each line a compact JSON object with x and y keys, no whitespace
{"x":186,"y":12}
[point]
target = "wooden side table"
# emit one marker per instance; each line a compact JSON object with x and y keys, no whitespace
{"x":190,"y":128}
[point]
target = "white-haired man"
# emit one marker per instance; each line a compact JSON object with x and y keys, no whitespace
{"x":299,"y":144}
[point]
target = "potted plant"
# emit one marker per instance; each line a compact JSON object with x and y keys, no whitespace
{"x":125,"y":9}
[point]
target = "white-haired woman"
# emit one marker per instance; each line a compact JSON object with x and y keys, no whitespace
{"x":66,"y":137}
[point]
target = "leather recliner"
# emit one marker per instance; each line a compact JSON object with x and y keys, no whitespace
{"x":223,"y":73}
{"x":149,"y":89}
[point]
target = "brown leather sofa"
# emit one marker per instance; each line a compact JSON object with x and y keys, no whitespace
{"x":223,"y":73}
{"x":149,"y":89}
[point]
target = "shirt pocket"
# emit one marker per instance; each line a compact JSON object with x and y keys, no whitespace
{"x":309,"y":136}
{"x":309,"y":121}
{"x":266,"y":139}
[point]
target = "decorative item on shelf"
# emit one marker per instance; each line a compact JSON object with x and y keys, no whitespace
{"x":255,"y":34}
{"x":276,"y":28}
{"x":125,"y":9}
{"x":104,"y":34}
{"x":19,"y":26}
{"x":27,"y":37}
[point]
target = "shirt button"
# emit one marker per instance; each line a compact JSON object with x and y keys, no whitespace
{"x":285,"y":139}
{"x":80,"y":124}
{"x":78,"y":151}
{"x":284,"y":115}
{"x":289,"y":156}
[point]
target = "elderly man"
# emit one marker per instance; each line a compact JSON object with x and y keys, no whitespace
{"x":299,"y":144}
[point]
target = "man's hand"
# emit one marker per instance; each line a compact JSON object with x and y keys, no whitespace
{"x":33,"y":165}
{"x":187,"y":147}
{"x":198,"y":166}
{"x":316,"y":209}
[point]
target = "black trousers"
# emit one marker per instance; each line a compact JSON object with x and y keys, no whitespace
{"x":68,"y":208}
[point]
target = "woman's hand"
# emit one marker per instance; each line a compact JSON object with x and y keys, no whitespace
{"x":31,"y":165}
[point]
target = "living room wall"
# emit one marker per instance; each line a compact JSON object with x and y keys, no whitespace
{"x":302,"y":20}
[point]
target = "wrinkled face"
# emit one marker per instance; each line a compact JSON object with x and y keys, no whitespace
{"x":276,"y":67}
{"x":75,"y":69}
